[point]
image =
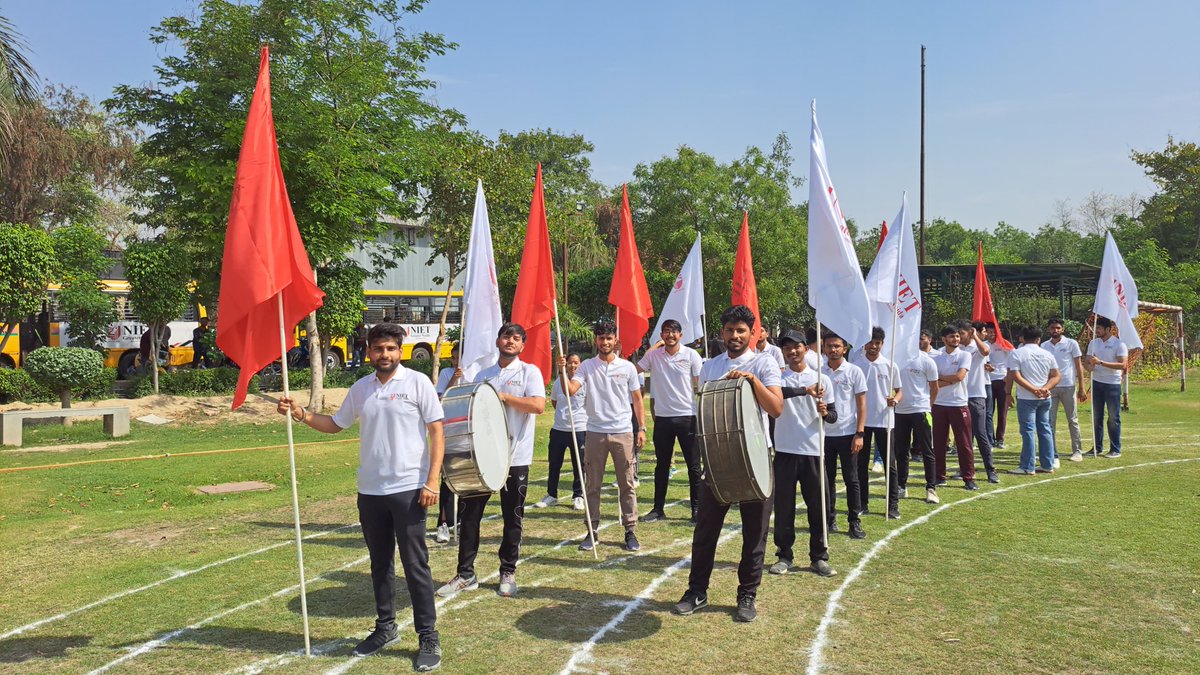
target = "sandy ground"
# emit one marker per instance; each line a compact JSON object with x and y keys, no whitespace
{"x":199,"y":409}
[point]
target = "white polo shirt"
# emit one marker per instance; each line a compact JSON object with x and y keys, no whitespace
{"x":797,"y":431}
{"x":1065,"y":353}
{"x":607,"y":401}
{"x":1108,"y":350}
{"x":443,"y":383}
{"x":1034,"y":364}
{"x":757,"y":364}
{"x":522,"y":380}
{"x":915,"y":378}
{"x":845,"y":383}
{"x":881,"y":374}
{"x":953,"y":395}
{"x":562,"y":419}
{"x":671,"y":383}
{"x":977,"y":379}
{"x":393,"y":453}
{"x":774,"y":352}
{"x":999,"y":360}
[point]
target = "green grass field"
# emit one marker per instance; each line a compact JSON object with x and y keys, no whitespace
{"x":123,"y":567}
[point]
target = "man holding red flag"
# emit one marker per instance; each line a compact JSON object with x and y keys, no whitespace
{"x":979,"y":389}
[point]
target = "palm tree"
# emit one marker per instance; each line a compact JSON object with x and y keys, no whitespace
{"x":18,"y":81}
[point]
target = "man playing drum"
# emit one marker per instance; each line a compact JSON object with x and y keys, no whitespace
{"x":673,"y":370}
{"x":397,"y":480}
{"x":739,"y":360}
{"x":523,"y":394}
{"x":844,"y":438}
{"x":612,"y":385}
{"x":798,"y":457}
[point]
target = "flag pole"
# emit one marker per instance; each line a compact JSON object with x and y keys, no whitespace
{"x":821,"y":457}
{"x":295,"y":494}
{"x":1092,"y":389}
{"x":562,"y":381}
{"x":887,"y":459}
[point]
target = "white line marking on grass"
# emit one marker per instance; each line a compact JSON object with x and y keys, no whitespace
{"x":815,"y":660}
{"x":160,"y":582}
{"x":160,"y":641}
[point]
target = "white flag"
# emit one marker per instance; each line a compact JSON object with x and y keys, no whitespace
{"x":836,"y":289}
{"x":894,"y":286}
{"x":685,"y":303}
{"x":481,"y":317}
{"x":1117,"y":295}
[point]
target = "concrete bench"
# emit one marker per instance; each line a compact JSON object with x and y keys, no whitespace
{"x":116,"y":421}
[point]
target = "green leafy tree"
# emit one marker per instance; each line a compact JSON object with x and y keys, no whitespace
{"x":61,"y":369}
{"x":87,"y":309}
{"x":343,"y":306}
{"x":352,"y":115}
{"x":158,"y":288}
{"x":27,"y":258}
{"x":1172,"y":215}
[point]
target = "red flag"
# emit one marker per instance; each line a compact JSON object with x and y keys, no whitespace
{"x":983,"y":309}
{"x":745,"y":290}
{"x":533,"y":303}
{"x":882,"y":235}
{"x":628,"y":292}
{"x":264,"y":255}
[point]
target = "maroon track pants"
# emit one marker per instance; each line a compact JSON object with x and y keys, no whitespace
{"x":956,"y":419}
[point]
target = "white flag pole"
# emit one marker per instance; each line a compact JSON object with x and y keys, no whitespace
{"x":821,"y":437}
{"x":587,"y":511}
{"x":1092,"y":389}
{"x":295,"y":493}
{"x":887,"y":459}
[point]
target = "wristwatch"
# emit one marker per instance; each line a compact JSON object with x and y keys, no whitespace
{"x":858,"y":434}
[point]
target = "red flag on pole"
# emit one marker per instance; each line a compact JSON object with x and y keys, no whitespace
{"x":882,"y":236}
{"x":628,"y":292}
{"x":264,"y":255}
{"x":533,"y":303}
{"x":983,"y":309}
{"x":745,"y":289}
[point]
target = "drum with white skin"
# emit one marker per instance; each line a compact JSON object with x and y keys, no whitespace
{"x":733,"y":442}
{"x":477,"y":443}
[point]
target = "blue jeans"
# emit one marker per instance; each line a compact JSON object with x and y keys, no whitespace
{"x":1034,"y":419}
{"x":1107,"y":396}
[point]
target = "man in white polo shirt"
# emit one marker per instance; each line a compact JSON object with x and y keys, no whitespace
{"x":523,"y":393}
{"x":950,"y":414}
{"x":1069,"y":390}
{"x":883,"y":393}
{"x":997,"y":369}
{"x":738,"y":360}
{"x":397,"y":480}
{"x":1106,"y":362}
{"x":613,"y":384}
{"x":1035,"y":372}
{"x":978,"y":391}
{"x":844,"y":438}
{"x":919,"y":378}
{"x":673,"y":370}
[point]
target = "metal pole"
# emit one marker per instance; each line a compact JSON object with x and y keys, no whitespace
{"x":295,"y":493}
{"x":1182,"y":353}
{"x":821,"y":437}
{"x":587,"y":511}
{"x":1092,"y":390}
{"x":922,"y":154}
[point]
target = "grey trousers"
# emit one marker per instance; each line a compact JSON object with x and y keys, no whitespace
{"x":1066,"y":397}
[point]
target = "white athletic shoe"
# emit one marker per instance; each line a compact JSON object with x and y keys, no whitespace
{"x":456,"y":586}
{"x":877,"y":467}
{"x":1076,"y":456}
{"x":781,"y":567}
{"x":508,"y":586}
{"x":545,"y":502}
{"x":443,"y":534}
{"x":672,"y":472}
{"x":579,"y":503}
{"x":637,"y":482}
{"x":1056,"y":463}
{"x":931,"y":496}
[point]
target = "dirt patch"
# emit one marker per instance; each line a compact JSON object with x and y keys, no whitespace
{"x":194,"y":409}
{"x":72,"y":446}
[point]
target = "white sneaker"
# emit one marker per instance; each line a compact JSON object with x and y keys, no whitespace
{"x":546,"y":502}
{"x":637,"y":482}
{"x":579,"y":503}
{"x":443,"y":534}
{"x":1076,"y":456}
{"x":1056,"y":463}
{"x":456,"y":586}
{"x":508,"y":586}
{"x":931,"y":496}
{"x":877,"y":467}
{"x":672,"y":472}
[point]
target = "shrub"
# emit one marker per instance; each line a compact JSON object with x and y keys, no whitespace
{"x":17,"y":385}
{"x":61,"y":369}
{"x":206,"y":382}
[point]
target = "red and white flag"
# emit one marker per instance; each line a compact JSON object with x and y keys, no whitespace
{"x":894,"y":285}
{"x":685,"y":302}
{"x":836,"y":289}
{"x":1117,"y":294}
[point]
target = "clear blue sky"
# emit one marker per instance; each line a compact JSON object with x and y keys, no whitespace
{"x":1028,"y":102}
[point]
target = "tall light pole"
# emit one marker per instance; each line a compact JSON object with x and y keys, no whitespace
{"x":922,"y":252}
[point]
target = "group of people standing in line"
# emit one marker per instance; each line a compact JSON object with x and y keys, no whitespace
{"x":850,"y":399}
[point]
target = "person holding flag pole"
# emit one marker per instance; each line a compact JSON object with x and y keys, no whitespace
{"x":1115,"y":306}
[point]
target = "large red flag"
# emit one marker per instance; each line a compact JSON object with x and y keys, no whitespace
{"x":533,"y":303}
{"x":628,"y":292}
{"x":745,"y":289}
{"x":983,"y":309}
{"x":264,"y":255}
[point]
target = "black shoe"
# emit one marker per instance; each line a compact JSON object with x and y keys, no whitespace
{"x":690,"y":602}
{"x":695,"y":512}
{"x":653,"y":516}
{"x":857,"y":531}
{"x":865,"y":510}
{"x":378,"y":639}
{"x":894,"y":513}
{"x":631,"y":542}
{"x":586,"y":545}
{"x":970,"y":485}
{"x":833,"y":527}
{"x":940,"y":483}
{"x":745,"y":612}
{"x":429,"y":656}
{"x":993,"y":477}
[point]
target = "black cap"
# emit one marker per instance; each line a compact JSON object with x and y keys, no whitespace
{"x":791,"y":336}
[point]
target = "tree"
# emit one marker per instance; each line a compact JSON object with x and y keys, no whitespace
{"x":352,"y":115}
{"x":60,"y":369}
{"x":18,"y":81}
{"x":158,"y":288}
{"x":87,"y":308}
{"x":1172,"y":215}
{"x":64,"y":159}
{"x":343,"y":305}
{"x":27,"y":258}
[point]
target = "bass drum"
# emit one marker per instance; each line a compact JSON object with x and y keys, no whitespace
{"x":733,"y":442}
{"x":477,"y":444}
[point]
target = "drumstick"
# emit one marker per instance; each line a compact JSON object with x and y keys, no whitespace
{"x":562,"y":382}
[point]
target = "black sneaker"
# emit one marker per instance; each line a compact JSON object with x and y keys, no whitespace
{"x":690,"y":602}
{"x":429,"y":656}
{"x":833,"y":527}
{"x":993,"y":477}
{"x":745,"y":612}
{"x":653,"y":516}
{"x":587,"y":543}
{"x":857,"y":531}
{"x":378,"y":639}
{"x":894,"y":513}
{"x":941,"y":483}
{"x":970,"y":485}
{"x":631,"y":542}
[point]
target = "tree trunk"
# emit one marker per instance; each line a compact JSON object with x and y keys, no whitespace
{"x":65,"y":397}
{"x":154,"y":338}
{"x":437,"y":344}
{"x":316,"y":364}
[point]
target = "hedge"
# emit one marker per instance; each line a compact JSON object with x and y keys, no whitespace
{"x":18,"y":385}
{"x":188,"y":382}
